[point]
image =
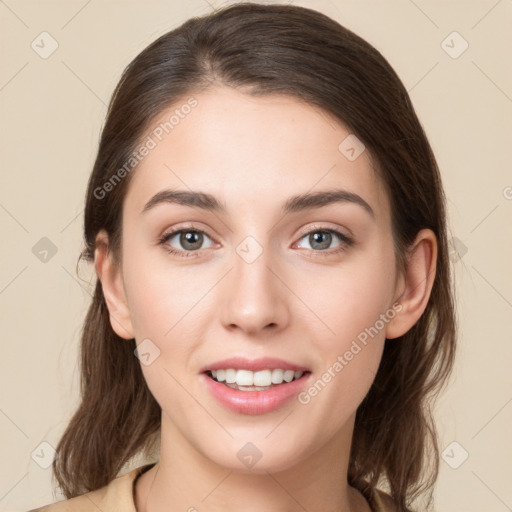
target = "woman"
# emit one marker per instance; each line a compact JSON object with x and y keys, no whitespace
{"x":273,"y":309}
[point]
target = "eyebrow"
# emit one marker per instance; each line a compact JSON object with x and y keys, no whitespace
{"x":294,"y":204}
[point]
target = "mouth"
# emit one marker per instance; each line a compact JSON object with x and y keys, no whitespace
{"x":262,"y":380}
{"x":254,"y":387}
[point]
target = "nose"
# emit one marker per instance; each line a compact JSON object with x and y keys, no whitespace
{"x":255,"y":296}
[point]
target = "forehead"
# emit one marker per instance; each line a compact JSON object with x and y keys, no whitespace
{"x":251,"y":151}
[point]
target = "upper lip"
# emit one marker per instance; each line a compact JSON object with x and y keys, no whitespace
{"x":264,"y":363}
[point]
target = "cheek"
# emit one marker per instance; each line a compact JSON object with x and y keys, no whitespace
{"x":351,"y":356}
{"x":350,"y":300}
{"x":166,"y":302}
{"x":160,"y":294}
{"x":163,"y":300}
{"x":354,"y":304}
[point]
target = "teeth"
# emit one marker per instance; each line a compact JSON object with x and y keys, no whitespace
{"x":230,"y":376}
{"x":262,"y":378}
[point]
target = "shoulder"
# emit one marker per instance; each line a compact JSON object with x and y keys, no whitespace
{"x":119,"y":492}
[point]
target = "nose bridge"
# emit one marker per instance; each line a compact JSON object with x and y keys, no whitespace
{"x":255,"y":295}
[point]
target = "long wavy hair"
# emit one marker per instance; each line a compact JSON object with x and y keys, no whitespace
{"x":265,"y":49}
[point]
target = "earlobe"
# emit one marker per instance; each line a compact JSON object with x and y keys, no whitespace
{"x":418,"y":281}
{"x":110,"y":275}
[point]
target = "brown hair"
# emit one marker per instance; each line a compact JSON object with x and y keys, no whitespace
{"x":300,"y":52}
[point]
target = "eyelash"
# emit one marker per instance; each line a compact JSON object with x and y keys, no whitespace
{"x":346,"y":241}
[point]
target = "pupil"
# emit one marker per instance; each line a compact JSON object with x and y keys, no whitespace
{"x":188,"y":238}
{"x":318,"y":235}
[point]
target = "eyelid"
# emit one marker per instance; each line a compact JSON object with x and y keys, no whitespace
{"x":183,"y":227}
{"x":326,"y":227}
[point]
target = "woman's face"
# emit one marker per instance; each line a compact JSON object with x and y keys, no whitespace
{"x":258,"y":277}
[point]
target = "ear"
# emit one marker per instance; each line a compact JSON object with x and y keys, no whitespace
{"x":415,"y":283}
{"x":110,"y":275}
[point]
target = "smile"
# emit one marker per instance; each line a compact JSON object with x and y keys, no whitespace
{"x":251,"y":399}
{"x":247,"y":380}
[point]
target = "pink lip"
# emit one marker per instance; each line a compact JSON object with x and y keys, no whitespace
{"x":264,"y":363}
{"x":255,"y":402}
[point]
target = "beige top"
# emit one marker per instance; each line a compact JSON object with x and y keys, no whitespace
{"x":118,"y":496}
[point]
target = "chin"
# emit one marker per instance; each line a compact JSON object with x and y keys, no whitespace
{"x":251,"y":458}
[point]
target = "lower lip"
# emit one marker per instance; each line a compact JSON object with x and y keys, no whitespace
{"x":255,"y":402}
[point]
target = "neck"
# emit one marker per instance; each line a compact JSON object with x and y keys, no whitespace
{"x":185,"y":480}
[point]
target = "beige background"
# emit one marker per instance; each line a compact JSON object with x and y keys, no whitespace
{"x":51,"y":113}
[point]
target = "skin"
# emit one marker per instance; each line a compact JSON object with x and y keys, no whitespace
{"x":292,"y":302}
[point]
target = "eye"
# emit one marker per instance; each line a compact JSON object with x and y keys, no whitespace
{"x":190,"y":239}
{"x":321,"y":239}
